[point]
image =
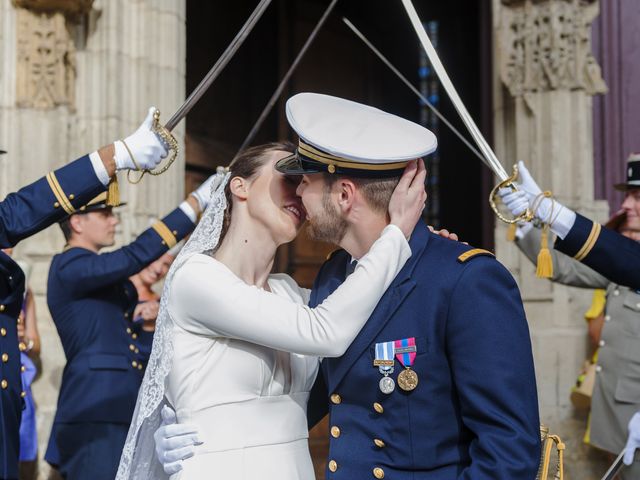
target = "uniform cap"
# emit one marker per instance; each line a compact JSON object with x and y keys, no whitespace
{"x":345,"y":137}
{"x":633,"y":173}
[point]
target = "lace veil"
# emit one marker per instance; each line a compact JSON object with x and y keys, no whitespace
{"x":138,"y":460}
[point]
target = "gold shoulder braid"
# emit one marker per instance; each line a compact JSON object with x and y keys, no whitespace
{"x":474,"y":252}
{"x":548,"y":441}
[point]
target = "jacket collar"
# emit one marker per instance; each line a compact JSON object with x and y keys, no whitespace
{"x":387,"y":306}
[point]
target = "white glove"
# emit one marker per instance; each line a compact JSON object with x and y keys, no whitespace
{"x":174,"y":442}
{"x":528,"y":192}
{"x":633,"y":441}
{"x":145,"y":146}
{"x":204,"y":192}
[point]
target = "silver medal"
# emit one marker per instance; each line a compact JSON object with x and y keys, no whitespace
{"x":387,"y":385}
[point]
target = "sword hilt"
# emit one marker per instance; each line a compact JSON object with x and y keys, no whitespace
{"x":170,"y":143}
{"x":525,"y":216}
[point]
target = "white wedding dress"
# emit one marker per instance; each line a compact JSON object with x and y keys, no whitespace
{"x":244,"y":360}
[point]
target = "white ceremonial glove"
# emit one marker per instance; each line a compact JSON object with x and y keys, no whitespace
{"x":203,"y":193}
{"x":175,"y":442}
{"x":529,"y":193}
{"x":145,"y":146}
{"x":633,"y":441}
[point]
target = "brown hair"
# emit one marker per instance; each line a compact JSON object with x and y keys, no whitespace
{"x":376,"y":191}
{"x":246,"y":165}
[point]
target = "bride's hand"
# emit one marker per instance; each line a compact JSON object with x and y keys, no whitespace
{"x":409,"y":197}
{"x":175,"y":442}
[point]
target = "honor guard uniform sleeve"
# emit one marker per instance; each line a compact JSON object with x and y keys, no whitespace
{"x":488,"y":344}
{"x":566,"y":270}
{"x":86,"y":271}
{"x":47,"y":200}
{"x":607,"y":252}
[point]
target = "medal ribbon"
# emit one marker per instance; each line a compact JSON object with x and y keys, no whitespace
{"x":405,"y":351}
{"x":384,"y":352}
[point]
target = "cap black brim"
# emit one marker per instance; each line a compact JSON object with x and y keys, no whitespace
{"x":294,"y":165}
{"x":623,"y":187}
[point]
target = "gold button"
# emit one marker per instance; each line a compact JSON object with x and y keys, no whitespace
{"x":139,"y":366}
{"x":3,"y":332}
{"x":56,"y":205}
{"x":2,"y":307}
{"x":128,"y":330}
{"x":331,"y":169}
{"x":132,"y":347}
{"x":72,"y":196}
{"x":5,"y":358}
{"x":378,"y":408}
{"x":163,"y":242}
{"x":4,"y":384}
{"x":23,"y":394}
{"x":134,"y":335}
{"x":175,"y":232}
{"x":379,"y":443}
{"x":22,"y":346}
{"x":126,"y":314}
{"x":137,"y":350}
{"x":333,"y":465}
{"x":335,"y":432}
{"x":336,"y":399}
{"x":23,"y":368}
{"x":134,"y":364}
{"x":378,"y":472}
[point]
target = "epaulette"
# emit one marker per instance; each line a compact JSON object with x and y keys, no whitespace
{"x":475,"y":252}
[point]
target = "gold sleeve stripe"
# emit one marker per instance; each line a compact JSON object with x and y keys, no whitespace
{"x":164,"y":232}
{"x":590,"y":243}
{"x":59,"y":193}
{"x":473,"y":253}
{"x":309,"y":151}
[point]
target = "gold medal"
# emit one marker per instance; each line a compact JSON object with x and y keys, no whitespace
{"x":408,"y":380}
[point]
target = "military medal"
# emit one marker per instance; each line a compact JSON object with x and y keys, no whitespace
{"x":405,"y":351}
{"x":384,"y":361}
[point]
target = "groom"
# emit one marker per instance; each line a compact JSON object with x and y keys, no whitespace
{"x":440,"y":383}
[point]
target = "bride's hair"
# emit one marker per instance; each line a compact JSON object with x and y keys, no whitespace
{"x":246,"y":165}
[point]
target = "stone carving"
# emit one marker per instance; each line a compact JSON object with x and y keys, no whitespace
{"x":46,"y":56}
{"x":546,"y":45}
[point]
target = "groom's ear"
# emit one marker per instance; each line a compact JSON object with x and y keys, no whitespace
{"x":238,"y":187}
{"x":346,"y":194}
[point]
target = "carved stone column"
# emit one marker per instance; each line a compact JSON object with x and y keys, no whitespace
{"x":76,"y":75}
{"x":545,"y":76}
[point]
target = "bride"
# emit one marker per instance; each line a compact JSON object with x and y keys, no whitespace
{"x":236,"y":348}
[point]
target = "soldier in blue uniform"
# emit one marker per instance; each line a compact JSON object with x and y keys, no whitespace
{"x":606,"y":251}
{"x":439,"y":384}
{"x":28,"y":211}
{"x":92,"y":300}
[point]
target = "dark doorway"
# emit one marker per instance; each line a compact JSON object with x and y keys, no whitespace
{"x":338,"y":63}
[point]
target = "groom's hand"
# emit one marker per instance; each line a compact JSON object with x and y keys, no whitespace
{"x":174,"y":442}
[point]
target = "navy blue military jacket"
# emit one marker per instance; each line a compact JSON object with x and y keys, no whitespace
{"x":22,"y":214}
{"x":607,"y":252}
{"x":474,"y":413}
{"x":91,"y":301}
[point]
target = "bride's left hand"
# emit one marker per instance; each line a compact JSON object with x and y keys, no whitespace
{"x":175,"y":442}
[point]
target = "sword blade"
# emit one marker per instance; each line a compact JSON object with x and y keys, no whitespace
{"x":483,"y":145}
{"x":615,"y":467}
{"x":218,"y":67}
{"x":283,"y":83}
{"x":404,"y":80}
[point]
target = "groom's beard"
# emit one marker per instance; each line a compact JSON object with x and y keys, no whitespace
{"x":329,"y":226}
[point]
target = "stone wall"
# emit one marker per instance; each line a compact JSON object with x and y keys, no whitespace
{"x":545,"y":77}
{"x":75,"y":75}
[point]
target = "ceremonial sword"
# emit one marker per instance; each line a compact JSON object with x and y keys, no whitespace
{"x":490,"y":157}
{"x":164,"y":132}
{"x":615,"y":467}
{"x":404,"y":80}
{"x":274,"y":98}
